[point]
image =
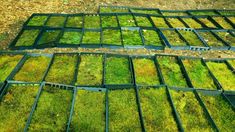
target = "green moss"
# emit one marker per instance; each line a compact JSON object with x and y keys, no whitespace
{"x":203,"y":13}
{"x":126,"y":21}
{"x":145,"y":71}
{"x":191,"y":38}
{"x":27,"y":38}
{"x":56,"y":21}
{"x":190,"y":112}
{"x":173,"y":37}
{"x":222,"y":22}
{"x":175,"y":22}
{"x":142,"y":11}
{"x":159,"y":22}
{"x":117,"y":71}
{"x":232,"y":63}
{"x":92,"y":22}
{"x":131,"y":37}
{"x":109,"y":21}
{"x":62,"y":69}
{"x":220,"y":110}
{"x":171,"y":71}
{"x":33,"y":69}
{"x":192,"y":23}
{"x":224,"y":75}
{"x":91,"y":37}
{"x":113,"y":10}
{"x":210,"y":39}
{"x":199,"y":74}
{"x":111,"y":36}
{"x":143,"y":21}
{"x":37,"y":21}
{"x":7,"y":64}
{"x":174,"y":14}
{"x":232,"y":19}
{"x":48,"y":36}
{"x":15,"y":107}
{"x":207,"y":22}
{"x":89,"y":112}
{"x":156,"y":110}
{"x":227,"y":12}
{"x":75,"y":21}
{"x":227,"y":37}
{"x":152,"y":37}
{"x":90,"y":70}
{"x":123,"y":112}
{"x":71,"y":37}
{"x":53,"y":109}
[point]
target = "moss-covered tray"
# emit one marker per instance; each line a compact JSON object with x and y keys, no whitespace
{"x":175,"y":22}
{"x":111,"y":37}
{"x":70,"y":37}
{"x":92,"y":21}
{"x":131,"y":37}
{"x":227,"y":12}
{"x":206,"y":21}
{"x":222,"y":22}
{"x":192,"y":23}
{"x":109,"y":21}
{"x":28,"y":37}
{"x":174,"y":13}
{"x":159,"y":22}
{"x":89,"y":111}
{"x":203,"y":12}
{"x":145,"y":11}
{"x":126,"y":20}
{"x":142,"y":21}
{"x":74,"y":21}
{"x":211,"y":39}
{"x":192,"y":38}
{"x":62,"y":69}
{"x":52,"y":111}
{"x":227,"y":37}
{"x":91,"y":37}
{"x":174,"y":38}
{"x":48,"y":37}
{"x":15,"y":106}
{"x":232,"y":63}
{"x":152,"y":38}
{"x":56,"y":21}
{"x":37,"y":20}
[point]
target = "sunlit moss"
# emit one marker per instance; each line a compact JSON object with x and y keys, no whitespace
{"x":232,"y":19}
{"x":123,"y":111}
{"x":15,"y":107}
{"x":48,"y":36}
{"x":174,"y":13}
{"x":156,"y":110}
{"x":27,"y":38}
{"x":90,"y":70}
{"x":227,"y":12}
{"x":159,"y":22}
{"x":53,"y":109}
{"x":142,"y":11}
{"x":203,"y":13}
{"x":56,"y":21}
{"x":175,"y":22}
{"x":220,"y":110}
{"x":109,"y":21}
{"x":33,"y":69}
{"x":131,"y":37}
{"x":91,"y":37}
{"x":62,"y":69}
{"x":173,"y":37}
{"x":227,"y":37}
{"x":191,"y":114}
{"x":126,"y":21}
{"x":7,"y":64}
{"x":74,"y":21}
{"x":171,"y":71}
{"x":222,"y":22}
{"x":198,"y":74}
{"x":224,"y":75}
{"x":71,"y":37}
{"x":191,"y":38}
{"x":210,"y":39}
{"x":192,"y":23}
{"x":232,"y":62}
{"x":117,"y":71}
{"x":207,"y":22}
{"x":111,"y":36}
{"x":152,"y":37}
{"x":89,"y":111}
{"x":143,"y":21}
{"x":145,"y":71}
{"x":92,"y":21}
{"x":37,"y":21}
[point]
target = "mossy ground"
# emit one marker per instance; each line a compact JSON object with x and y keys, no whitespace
{"x":113,"y":10}
{"x":145,"y":71}
{"x":203,"y":13}
{"x":131,"y":37}
{"x":156,"y":110}
{"x":62,"y":69}
{"x":222,"y":22}
{"x":109,"y":21}
{"x":117,"y":71}
{"x":174,"y":14}
{"x":92,"y":22}
{"x":126,"y":21}
{"x":199,"y":74}
{"x":90,"y":70}
{"x":111,"y":36}
{"x":224,"y":75}
{"x":191,"y":38}
{"x":89,"y":112}
{"x":71,"y":37}
{"x":48,"y":36}
{"x":143,"y":21}
{"x":154,"y":12}
{"x":159,"y":22}
{"x":175,"y":22}
{"x":190,"y":112}
{"x":123,"y":111}
{"x":56,"y":21}
{"x":52,"y":111}
{"x":171,"y":71}
{"x":7,"y":64}
{"x":227,"y":37}
{"x":220,"y":111}
{"x":207,"y":22}
{"x":15,"y":107}
{"x":210,"y":39}
{"x":173,"y":38}
{"x":152,"y":37}
{"x":227,"y":12}
{"x":91,"y":37}
{"x":75,"y":21}
{"x":27,"y":38}
{"x":192,"y":23}
{"x":37,"y":21}
{"x":232,"y":63}
{"x":33,"y":69}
